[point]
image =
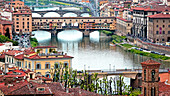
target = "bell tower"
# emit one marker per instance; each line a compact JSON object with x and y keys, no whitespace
{"x":150,"y":78}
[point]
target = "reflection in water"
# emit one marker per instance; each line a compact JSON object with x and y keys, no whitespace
{"x":93,"y":52}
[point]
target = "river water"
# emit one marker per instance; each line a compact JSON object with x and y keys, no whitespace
{"x":92,"y":53}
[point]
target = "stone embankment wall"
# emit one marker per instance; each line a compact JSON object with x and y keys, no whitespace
{"x":151,"y":46}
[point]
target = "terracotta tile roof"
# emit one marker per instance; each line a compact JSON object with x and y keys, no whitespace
{"x":25,"y":88}
{"x":6,"y":22}
{"x":160,"y":16}
{"x":81,"y":92}
{"x":150,"y":62}
{"x":45,"y":47}
{"x":144,"y":9}
{"x":12,"y":52}
{"x":164,"y":88}
{"x":123,"y":19}
{"x":1,"y":44}
{"x":20,"y":57}
{"x":38,"y":57}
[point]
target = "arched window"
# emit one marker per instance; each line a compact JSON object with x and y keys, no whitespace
{"x":47,"y":75}
{"x":145,"y":75}
{"x":153,"y":75}
{"x":38,"y":66}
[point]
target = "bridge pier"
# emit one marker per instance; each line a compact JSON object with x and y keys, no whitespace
{"x":86,"y":33}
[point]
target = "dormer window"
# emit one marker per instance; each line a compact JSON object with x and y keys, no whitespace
{"x":41,"y":89}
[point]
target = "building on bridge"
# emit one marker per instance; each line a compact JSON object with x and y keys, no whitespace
{"x":80,"y":23}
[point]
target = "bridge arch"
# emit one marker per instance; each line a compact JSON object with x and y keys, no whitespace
{"x":85,"y":15}
{"x":51,"y":14}
{"x":36,"y":15}
{"x":70,"y":14}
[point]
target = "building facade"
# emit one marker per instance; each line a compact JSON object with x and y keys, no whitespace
{"x":150,"y":78}
{"x":158,"y":28}
{"x":22,"y":17}
{"x":123,"y":27}
{"x":139,"y":28}
{"x":39,"y":60}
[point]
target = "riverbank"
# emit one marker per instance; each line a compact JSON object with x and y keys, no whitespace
{"x":118,"y":40}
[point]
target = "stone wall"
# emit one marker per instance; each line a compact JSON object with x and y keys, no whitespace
{"x":158,"y":48}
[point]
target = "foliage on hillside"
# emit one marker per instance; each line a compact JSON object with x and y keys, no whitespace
{"x":4,"y":39}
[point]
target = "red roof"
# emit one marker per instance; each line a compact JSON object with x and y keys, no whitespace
{"x":150,"y":62}
{"x":38,"y":57}
{"x":123,"y":19}
{"x":144,"y":9}
{"x":164,"y":88}
{"x":5,"y":22}
{"x":12,"y":52}
{"x":45,"y":47}
{"x":1,"y":44}
{"x":160,"y":16}
{"x":21,"y":57}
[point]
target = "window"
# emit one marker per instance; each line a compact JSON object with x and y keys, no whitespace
{"x":17,"y":29}
{"x":157,"y":32}
{"x":41,"y":89}
{"x":163,"y":32}
{"x":56,"y":65}
{"x":163,"y":39}
{"x":65,"y":64}
{"x":168,"y":32}
{"x":145,"y":75}
{"x":153,"y":75}
{"x":17,"y":15}
{"x":7,"y":59}
{"x":27,"y":18}
{"x":168,"y":25}
{"x":17,"y":22}
{"x":23,"y":19}
{"x":38,"y":66}
{"x":144,"y":91}
{"x":17,"y":18}
{"x":17,"y":26}
{"x":157,"y":21}
{"x":25,"y":64}
{"x":157,"y":26}
{"x":163,"y":21}
{"x":47,"y":66}
{"x":128,"y":24}
{"x":29,"y":66}
{"x":163,"y":26}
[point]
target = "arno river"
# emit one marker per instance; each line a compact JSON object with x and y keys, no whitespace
{"x":92,"y":53}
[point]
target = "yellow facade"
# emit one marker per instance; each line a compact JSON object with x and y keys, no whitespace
{"x":33,"y":64}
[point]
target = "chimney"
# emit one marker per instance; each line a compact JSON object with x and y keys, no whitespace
{"x":168,"y":77}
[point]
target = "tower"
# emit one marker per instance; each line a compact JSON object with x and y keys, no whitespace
{"x":150,"y":78}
